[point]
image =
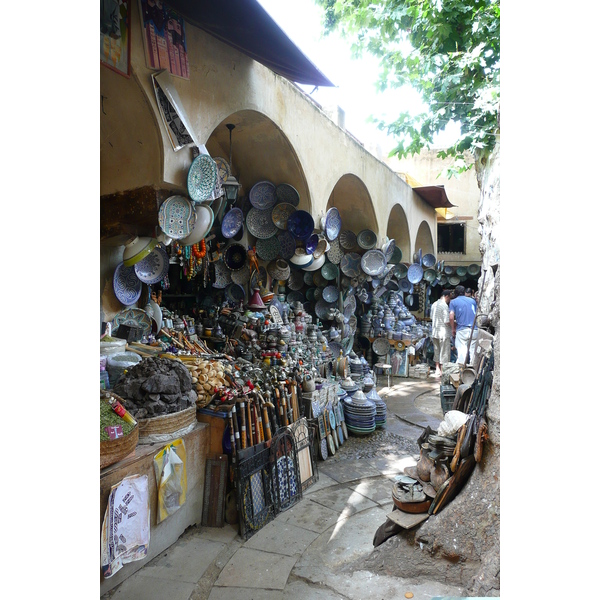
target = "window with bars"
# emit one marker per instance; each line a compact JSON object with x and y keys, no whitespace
{"x":451,"y":237}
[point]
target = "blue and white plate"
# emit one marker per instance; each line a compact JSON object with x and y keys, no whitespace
{"x":202,"y":178}
{"x":262,"y":195}
{"x":177,"y":217}
{"x":286,"y":476}
{"x":154,"y":267}
{"x":288,"y":194}
{"x":260,"y":224}
{"x":127,"y":286}
{"x":268,"y":249}
{"x":350,"y":264}
{"x":133,"y":317}
{"x":333,"y":224}
{"x":301,"y":224}
{"x":367,"y":239}
{"x":287,"y":244}
{"x":373,"y":262}
{"x":232,"y":222}
{"x":415,"y":273}
{"x":223,"y":169}
{"x":330,"y":293}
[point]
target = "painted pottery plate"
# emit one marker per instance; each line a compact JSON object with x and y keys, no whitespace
{"x":223,"y":169}
{"x":295,"y":297}
{"x":222,"y":275}
{"x":268,"y":249}
{"x":301,"y":224}
{"x":287,"y":194}
{"x":373,"y":262}
{"x":242,"y":276}
{"x":415,"y":273}
{"x":461,"y":271}
{"x":330,"y":271}
{"x":296,"y":281}
{"x":133,"y":317}
{"x":311,"y":244}
{"x":366,"y":239}
{"x":381,"y":346}
{"x":287,"y":244}
{"x":235,"y":257}
{"x":347,"y":240}
{"x":262,"y":195}
{"x":454,"y":280}
{"x":177,"y":217}
{"x":260,"y":224}
{"x":335,"y":253}
{"x":154,"y":267}
{"x":340,"y":433}
{"x":429,"y":275}
{"x":323,"y":449}
{"x":473,"y":269}
{"x":388,"y":249}
{"x":232,"y":222}
{"x":428,"y":260}
{"x":333,"y":224}
{"x":202,"y":178}
{"x":315,"y":264}
{"x":281,"y":214}
{"x":330,"y":293}
{"x":322,"y":308}
{"x":205,"y":217}
{"x":401,"y":271}
{"x":350,"y":264}
{"x":396,"y":256}
{"x":127,"y":286}
{"x":235,"y":293}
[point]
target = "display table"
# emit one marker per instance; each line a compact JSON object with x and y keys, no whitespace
{"x":141,"y":462}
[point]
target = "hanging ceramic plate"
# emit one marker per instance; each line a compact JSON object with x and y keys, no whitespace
{"x":332,"y":421}
{"x":235,"y":293}
{"x":295,"y":297}
{"x":330,"y":293}
{"x":262,"y":195}
{"x":454,"y":280}
{"x":429,"y":275}
{"x":396,"y":256}
{"x":154,"y":267}
{"x":260,"y":224}
{"x":330,"y":271}
{"x":340,"y":434}
{"x":281,"y":214}
{"x":381,"y":346}
{"x":222,"y":275}
{"x":373,"y":262}
{"x":311,"y":244}
{"x":241,"y":276}
{"x":461,"y":271}
{"x":388,"y":249}
{"x":286,"y":479}
{"x":367,"y":239}
{"x":133,"y":317}
{"x":335,"y":348}
{"x":301,"y":259}
{"x":428,"y":260}
{"x":301,"y":224}
{"x":321,"y":248}
{"x":202,"y":178}
{"x":310,"y":294}
{"x":415,"y":273}
{"x":473,"y":269}
{"x":177,"y":217}
{"x":296,"y":281}
{"x":223,"y":169}
{"x":333,"y":224}
{"x":287,"y":194}
{"x":127,"y":286}
{"x":232,"y":222}
{"x":322,"y":310}
{"x":405,"y":285}
{"x":323,"y":449}
{"x":335,"y":253}
{"x":205,"y":218}
{"x":316,"y":263}
{"x":347,"y":240}
{"x":350,"y":264}
{"x":268,"y":249}
{"x":443,"y":280}
{"x":287,"y":244}
{"x":401,"y":271}
{"x":234,"y":257}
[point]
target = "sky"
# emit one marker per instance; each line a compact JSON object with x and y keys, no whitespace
{"x":355,"y":79}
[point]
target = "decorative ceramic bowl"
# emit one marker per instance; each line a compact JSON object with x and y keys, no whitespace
{"x":373,"y":262}
{"x":330,"y":293}
{"x":316,"y":264}
{"x":301,"y":224}
{"x":281,"y":214}
{"x":268,"y":249}
{"x":287,"y":194}
{"x":428,"y":260}
{"x":202,"y":178}
{"x":154,"y":267}
{"x":262,"y":195}
{"x":367,"y":239}
{"x":279,"y":270}
{"x":301,"y":259}
{"x":205,"y":218}
{"x":287,"y":244}
{"x":177,"y":217}
{"x":232,"y":222}
{"x":473,"y":269}
{"x":330,"y":271}
{"x":126,"y":285}
{"x":396,"y":256}
{"x":312,"y":243}
{"x":333,"y":224}
{"x":415,"y":273}
{"x":429,"y":275}
{"x":260,"y":224}
{"x":138,"y":249}
{"x":347,"y":240}
{"x":235,"y":257}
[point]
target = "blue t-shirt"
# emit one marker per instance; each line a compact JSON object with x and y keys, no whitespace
{"x":464,"y":311}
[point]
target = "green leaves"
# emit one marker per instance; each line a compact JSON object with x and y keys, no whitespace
{"x":452,"y":60}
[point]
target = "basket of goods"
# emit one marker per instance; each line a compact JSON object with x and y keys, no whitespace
{"x":119,"y":432}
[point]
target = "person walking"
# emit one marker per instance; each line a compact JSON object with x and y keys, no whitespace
{"x":462,"y":317}
{"x":441,"y":331}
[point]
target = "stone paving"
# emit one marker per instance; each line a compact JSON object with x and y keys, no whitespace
{"x":308,"y":551}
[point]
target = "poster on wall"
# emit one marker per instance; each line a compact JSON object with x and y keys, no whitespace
{"x":163,"y":31}
{"x":115,"y":35}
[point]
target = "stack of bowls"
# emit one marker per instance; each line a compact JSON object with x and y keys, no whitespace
{"x":359,"y":414}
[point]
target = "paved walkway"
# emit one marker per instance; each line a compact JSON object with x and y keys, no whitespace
{"x":309,"y":550}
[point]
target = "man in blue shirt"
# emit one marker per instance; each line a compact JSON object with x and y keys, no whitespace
{"x":462,"y":316}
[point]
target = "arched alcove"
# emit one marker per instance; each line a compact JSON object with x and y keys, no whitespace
{"x":397,"y":229}
{"x":260,"y":152}
{"x":351,"y":197}
{"x":424,"y":239}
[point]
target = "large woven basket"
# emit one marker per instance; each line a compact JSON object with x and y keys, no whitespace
{"x":167,"y":423}
{"x":112,"y":451}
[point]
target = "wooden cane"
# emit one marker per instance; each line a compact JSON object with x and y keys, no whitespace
{"x":243,"y":431}
{"x":250,"y":424}
{"x":265,"y":412}
{"x":235,"y":427}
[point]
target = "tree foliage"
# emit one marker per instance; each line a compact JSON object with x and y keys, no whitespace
{"x":448,"y":50}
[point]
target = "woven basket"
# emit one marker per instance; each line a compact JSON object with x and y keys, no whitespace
{"x":167,"y":423}
{"x":112,"y":451}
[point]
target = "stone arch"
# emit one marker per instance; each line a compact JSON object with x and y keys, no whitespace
{"x":397,"y":228}
{"x":260,"y":152}
{"x":424,"y":239}
{"x":351,"y":197}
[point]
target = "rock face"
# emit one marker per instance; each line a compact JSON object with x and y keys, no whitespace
{"x":156,"y":386}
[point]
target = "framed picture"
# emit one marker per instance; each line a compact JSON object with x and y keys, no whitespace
{"x":163,"y":30}
{"x":115,"y":35}
{"x":399,"y":362}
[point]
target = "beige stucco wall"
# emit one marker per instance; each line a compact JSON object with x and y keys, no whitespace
{"x":136,"y":150}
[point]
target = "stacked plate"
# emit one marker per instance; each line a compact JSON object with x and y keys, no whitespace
{"x":359,"y":414}
{"x":380,"y":407}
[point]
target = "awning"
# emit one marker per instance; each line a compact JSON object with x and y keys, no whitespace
{"x":434,"y":195}
{"x":246,"y":26}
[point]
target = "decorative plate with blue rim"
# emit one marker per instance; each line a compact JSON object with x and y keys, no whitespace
{"x":428,"y":260}
{"x":268,"y":249}
{"x":177,"y":217}
{"x":330,"y":293}
{"x":262,"y":195}
{"x":388,"y":249}
{"x":311,"y":243}
{"x":223,"y":169}
{"x":415,"y":273}
{"x":329,"y":271}
{"x":367,"y":239}
{"x":347,"y":240}
{"x":287,"y":193}
{"x":350,"y":264}
{"x":335,"y":252}
{"x":373,"y":262}
{"x":154,"y":267}
{"x":301,"y":224}
{"x":234,"y":257}
{"x":127,"y":286}
{"x":232,"y":222}
{"x":281,"y":214}
{"x":287,"y":244}
{"x":296,"y":281}
{"x":260,"y":224}
{"x":333,"y":224}
{"x":133,"y":317}
{"x":202,"y":178}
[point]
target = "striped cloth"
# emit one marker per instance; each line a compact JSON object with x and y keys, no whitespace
{"x":440,"y":320}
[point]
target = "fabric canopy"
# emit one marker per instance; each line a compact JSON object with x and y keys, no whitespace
{"x":434,"y":195}
{"x":246,"y":26}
